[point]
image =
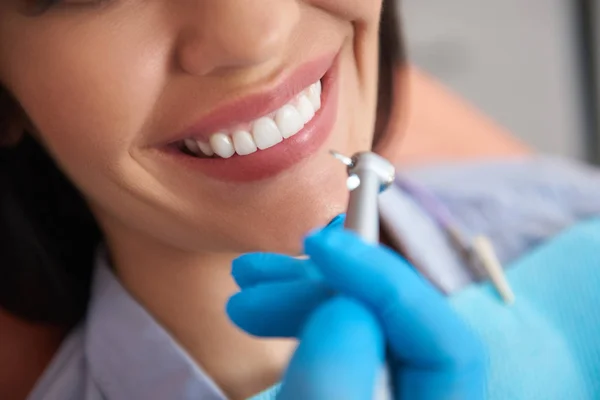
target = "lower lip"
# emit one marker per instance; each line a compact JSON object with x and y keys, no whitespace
{"x":268,"y":163}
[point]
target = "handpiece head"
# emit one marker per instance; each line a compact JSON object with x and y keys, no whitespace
{"x":371,"y":162}
{"x":368,"y":175}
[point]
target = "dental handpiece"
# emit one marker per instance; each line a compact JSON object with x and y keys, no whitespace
{"x":368,"y":175}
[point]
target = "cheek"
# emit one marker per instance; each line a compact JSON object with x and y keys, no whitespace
{"x":88,"y":92}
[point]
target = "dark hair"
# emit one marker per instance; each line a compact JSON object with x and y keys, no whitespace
{"x":48,"y":236}
{"x":392,"y":58}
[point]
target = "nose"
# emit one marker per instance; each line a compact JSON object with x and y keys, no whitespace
{"x":231,"y":34}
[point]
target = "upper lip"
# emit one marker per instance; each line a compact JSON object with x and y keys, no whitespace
{"x":260,"y":103}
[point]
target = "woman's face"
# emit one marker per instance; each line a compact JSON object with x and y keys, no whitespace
{"x":131,"y":96}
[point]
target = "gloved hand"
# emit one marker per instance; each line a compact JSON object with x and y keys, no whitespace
{"x":348,"y":303}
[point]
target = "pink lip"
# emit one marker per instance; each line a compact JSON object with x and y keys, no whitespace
{"x":272,"y":161}
{"x":254,"y":106}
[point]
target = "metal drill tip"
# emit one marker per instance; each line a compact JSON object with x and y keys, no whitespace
{"x":347,"y":161}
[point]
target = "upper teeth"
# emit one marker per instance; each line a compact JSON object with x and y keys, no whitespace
{"x":264,"y":132}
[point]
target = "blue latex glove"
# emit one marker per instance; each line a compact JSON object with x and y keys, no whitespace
{"x":347,"y":304}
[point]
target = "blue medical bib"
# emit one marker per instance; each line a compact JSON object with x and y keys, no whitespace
{"x":547,"y":345}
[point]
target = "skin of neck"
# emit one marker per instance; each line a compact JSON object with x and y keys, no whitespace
{"x":187,"y":294}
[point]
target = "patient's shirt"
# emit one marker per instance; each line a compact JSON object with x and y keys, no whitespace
{"x":120,"y":352}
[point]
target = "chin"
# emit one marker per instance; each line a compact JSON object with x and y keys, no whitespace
{"x":285,"y":233}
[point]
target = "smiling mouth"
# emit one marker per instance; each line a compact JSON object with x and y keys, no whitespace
{"x":286,"y":125}
{"x":262,"y":133}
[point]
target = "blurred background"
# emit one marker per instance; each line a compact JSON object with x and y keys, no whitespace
{"x":531,"y":65}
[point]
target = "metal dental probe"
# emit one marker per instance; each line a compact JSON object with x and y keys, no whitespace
{"x":368,"y":175}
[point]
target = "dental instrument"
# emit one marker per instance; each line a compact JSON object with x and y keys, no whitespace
{"x":478,"y":251}
{"x":368,"y":175}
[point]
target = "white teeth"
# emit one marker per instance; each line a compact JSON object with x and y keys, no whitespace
{"x":314,"y":95}
{"x":197,"y":147}
{"x":289,"y":121}
{"x":265,"y":133}
{"x":305,"y":108}
{"x":222,"y":145}
{"x":319,"y":87}
{"x":243,"y":143}
{"x":192,"y":146}
{"x":205,"y":148}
